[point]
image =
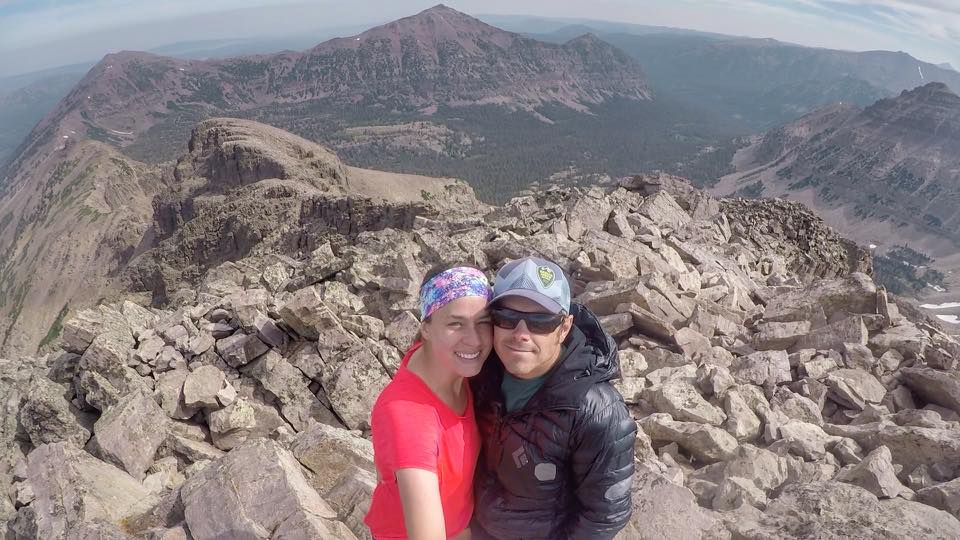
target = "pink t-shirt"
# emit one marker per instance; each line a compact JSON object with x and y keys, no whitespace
{"x":413,"y":428}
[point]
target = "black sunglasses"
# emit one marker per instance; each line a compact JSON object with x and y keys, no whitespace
{"x":537,"y":323}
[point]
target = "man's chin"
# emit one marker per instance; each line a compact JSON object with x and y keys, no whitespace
{"x":518,"y":369}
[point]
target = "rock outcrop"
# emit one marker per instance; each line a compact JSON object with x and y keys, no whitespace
{"x":246,"y":188}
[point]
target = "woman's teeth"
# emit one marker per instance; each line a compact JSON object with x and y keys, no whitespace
{"x":468,"y":356}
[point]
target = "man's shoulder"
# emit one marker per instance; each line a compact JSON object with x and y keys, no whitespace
{"x":599,"y":397}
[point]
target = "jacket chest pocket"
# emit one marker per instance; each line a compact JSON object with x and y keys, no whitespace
{"x":531,"y":468}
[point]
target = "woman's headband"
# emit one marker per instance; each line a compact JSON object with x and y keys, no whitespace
{"x":451,"y":284}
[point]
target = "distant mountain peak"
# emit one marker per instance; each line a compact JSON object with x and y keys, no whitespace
{"x":443,"y":9}
{"x":445,"y":14}
{"x":934,"y":101}
{"x":929,"y":89}
{"x":438,"y":57}
{"x":437,"y":24}
{"x":588,"y":37}
{"x":123,"y":57}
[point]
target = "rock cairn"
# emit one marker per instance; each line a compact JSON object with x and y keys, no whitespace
{"x":775,"y":398}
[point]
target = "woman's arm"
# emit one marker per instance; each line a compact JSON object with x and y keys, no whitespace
{"x":422,"y":510}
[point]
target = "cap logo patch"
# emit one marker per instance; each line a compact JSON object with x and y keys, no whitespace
{"x":546,"y":276}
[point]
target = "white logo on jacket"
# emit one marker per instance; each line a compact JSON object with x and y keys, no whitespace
{"x":520,"y":457}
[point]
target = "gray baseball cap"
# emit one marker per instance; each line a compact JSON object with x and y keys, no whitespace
{"x":536,"y":279}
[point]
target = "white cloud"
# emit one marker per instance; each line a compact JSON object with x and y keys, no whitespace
{"x":60,"y":20}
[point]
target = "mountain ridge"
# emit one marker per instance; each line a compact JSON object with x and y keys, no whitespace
{"x":886,"y":174}
{"x":101,"y":221}
{"x":439,"y":56}
{"x":768,"y":83}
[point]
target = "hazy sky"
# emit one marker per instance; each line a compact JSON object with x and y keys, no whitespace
{"x":36,"y":34}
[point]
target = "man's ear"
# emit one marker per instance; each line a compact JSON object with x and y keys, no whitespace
{"x":565,"y":328}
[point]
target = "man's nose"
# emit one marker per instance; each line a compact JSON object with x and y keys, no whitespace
{"x":521,"y":332}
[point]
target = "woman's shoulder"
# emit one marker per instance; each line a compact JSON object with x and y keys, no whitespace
{"x":407,"y":393}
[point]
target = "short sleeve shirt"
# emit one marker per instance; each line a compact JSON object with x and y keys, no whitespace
{"x":413,"y":428}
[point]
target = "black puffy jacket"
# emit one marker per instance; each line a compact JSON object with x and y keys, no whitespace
{"x":561,"y":467}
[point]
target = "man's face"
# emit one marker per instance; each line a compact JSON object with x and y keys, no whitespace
{"x":525,"y":354}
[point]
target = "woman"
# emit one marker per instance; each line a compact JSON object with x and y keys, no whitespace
{"x":425,"y":438}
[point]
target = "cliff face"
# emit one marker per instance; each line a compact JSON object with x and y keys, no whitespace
{"x":885,"y":175}
{"x":64,"y":236}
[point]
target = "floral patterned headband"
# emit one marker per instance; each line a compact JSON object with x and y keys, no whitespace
{"x":451,"y":284}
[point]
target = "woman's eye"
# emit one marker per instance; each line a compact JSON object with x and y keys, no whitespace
{"x":455,"y":325}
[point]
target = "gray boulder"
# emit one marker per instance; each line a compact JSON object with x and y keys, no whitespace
{"x":48,"y":417}
{"x":779,"y":335}
{"x":837,"y":510}
{"x":935,"y":386}
{"x":351,"y":498}
{"x":297,"y":404}
{"x":765,"y":469}
{"x":762,"y":367}
{"x":80,"y":331}
{"x":104,"y":370}
{"x":806,"y":440}
{"x":854,"y":388}
{"x":305,"y":313}
{"x":855,"y":293}
{"x":240,"y":349}
{"x":129,"y":433}
{"x":834,"y":335}
{"x":330,"y":452}
{"x":945,"y":496}
{"x":662,"y":509}
{"x":683,"y":402}
{"x":741,"y":421}
{"x":258,"y":489}
{"x":72,"y":487}
{"x":352,"y":381}
{"x":910,"y":446}
{"x":201,"y":387}
{"x":402,"y":329}
{"x":169,"y":390}
{"x":875,"y":474}
{"x":706,"y":443}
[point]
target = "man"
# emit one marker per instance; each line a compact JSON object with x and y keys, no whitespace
{"x":557,"y":458}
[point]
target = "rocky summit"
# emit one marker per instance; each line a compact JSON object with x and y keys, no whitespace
{"x":778,"y":391}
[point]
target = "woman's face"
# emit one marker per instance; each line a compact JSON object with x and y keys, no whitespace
{"x":460,"y":335}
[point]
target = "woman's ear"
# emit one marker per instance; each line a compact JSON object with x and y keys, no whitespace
{"x":424,"y":332}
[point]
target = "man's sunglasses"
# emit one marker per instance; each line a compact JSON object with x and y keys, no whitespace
{"x":537,"y":323}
